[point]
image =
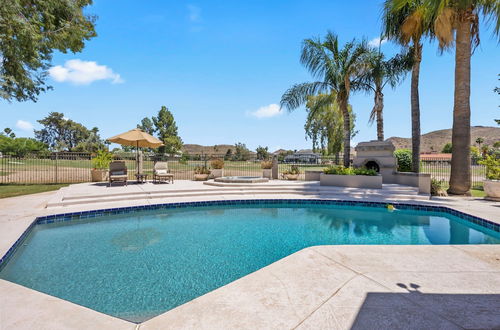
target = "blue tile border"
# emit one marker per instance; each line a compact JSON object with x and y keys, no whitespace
{"x":65,"y":217}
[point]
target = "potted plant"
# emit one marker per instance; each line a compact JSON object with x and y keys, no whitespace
{"x":201,"y":173}
{"x":100,"y":166}
{"x":292,"y":173}
{"x":267,"y":169}
{"x":492,"y":183}
{"x":341,"y":176}
{"x":217,"y":168}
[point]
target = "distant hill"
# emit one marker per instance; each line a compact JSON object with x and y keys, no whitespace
{"x":435,"y":141}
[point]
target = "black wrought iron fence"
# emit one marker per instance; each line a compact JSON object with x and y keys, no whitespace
{"x":440,"y":169}
{"x":76,"y":167}
{"x":45,"y":168}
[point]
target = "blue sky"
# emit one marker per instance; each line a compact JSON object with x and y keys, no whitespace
{"x":214,"y":64}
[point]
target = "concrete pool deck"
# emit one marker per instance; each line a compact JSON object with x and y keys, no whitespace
{"x":323,"y":287}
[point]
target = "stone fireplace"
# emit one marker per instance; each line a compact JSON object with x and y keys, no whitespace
{"x":377,"y":155}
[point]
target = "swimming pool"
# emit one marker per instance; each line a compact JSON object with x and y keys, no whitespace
{"x":139,"y":264}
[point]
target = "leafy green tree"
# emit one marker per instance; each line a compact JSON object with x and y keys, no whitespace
{"x":30,"y":31}
{"x":447,"y":149}
{"x":229,"y":154}
{"x":403,"y":157}
{"x":92,"y":143}
{"x":241,"y":152}
{"x":60,"y":134}
{"x":283,"y":154}
{"x":338,"y":72}
{"x":8,"y":132}
{"x":147,"y":126}
{"x":456,"y":23}
{"x":380,"y":73}
{"x":475,"y":153}
{"x":20,"y":146}
{"x":166,"y":130}
{"x":325,"y":124}
{"x":404,"y":22}
{"x":262,"y":153}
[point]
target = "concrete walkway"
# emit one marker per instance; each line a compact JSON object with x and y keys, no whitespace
{"x":325,"y":287}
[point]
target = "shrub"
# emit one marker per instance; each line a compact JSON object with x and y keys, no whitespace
{"x":102,"y":159}
{"x":266,"y":165}
{"x":217,"y":164}
{"x":437,"y":188}
{"x":294,"y":169}
{"x":492,"y":164}
{"x":201,"y":170}
{"x":365,"y":171}
{"x":403,"y":157}
{"x":184,"y":158}
{"x":341,"y":170}
{"x":447,"y":148}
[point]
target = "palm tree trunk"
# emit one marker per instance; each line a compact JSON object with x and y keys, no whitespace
{"x":379,"y":105}
{"x":347,"y":132}
{"x":460,"y":179}
{"x":415,"y":109}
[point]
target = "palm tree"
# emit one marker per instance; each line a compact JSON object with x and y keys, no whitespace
{"x":380,"y":73}
{"x":404,"y":22}
{"x":338,"y":71}
{"x":479,"y":141}
{"x":456,"y":23}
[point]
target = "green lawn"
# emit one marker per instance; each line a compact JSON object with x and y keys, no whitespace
{"x":478,"y":193}
{"x":11,"y":190}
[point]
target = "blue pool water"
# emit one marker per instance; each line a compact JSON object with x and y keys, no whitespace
{"x":138,"y":265}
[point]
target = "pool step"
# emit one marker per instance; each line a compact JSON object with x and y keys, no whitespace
{"x":388,"y":193}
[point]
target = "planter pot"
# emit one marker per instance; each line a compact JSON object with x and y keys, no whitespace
{"x":267,"y":173}
{"x":492,"y":189}
{"x":201,"y":177}
{"x":217,"y":173}
{"x":99,"y":175}
{"x":351,"y":181}
{"x":291,"y":176}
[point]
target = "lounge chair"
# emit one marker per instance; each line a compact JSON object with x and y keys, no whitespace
{"x":117,"y":172}
{"x":161,"y":173}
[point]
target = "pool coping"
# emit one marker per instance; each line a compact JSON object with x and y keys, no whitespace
{"x":73,"y":216}
{"x":28,"y":308}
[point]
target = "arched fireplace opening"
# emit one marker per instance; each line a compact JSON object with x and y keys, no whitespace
{"x":372,"y":165}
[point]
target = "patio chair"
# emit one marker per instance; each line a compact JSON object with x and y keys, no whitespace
{"x":161,"y":173}
{"x":117,"y":172}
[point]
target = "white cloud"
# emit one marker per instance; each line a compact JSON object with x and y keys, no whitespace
{"x":24,"y":125}
{"x":81,"y":72}
{"x":194,"y":13}
{"x":267,"y":111}
{"x":376,"y":41}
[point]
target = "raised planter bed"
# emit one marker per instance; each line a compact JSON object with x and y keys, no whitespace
{"x":312,"y":175}
{"x":351,"y":181}
{"x":492,"y":189}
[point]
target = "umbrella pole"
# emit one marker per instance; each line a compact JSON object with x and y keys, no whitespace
{"x":137,"y":158}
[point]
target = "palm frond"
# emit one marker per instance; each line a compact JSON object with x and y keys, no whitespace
{"x":297,"y":95}
{"x":491,"y":10}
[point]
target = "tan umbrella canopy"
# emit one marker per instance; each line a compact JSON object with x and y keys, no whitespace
{"x":136,"y":138}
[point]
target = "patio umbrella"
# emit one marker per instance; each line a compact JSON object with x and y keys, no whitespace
{"x":136,"y":138}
